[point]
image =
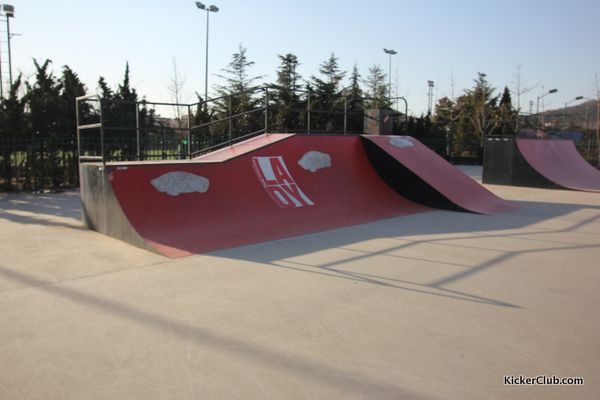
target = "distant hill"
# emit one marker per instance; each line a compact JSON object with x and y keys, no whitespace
{"x":576,"y":114}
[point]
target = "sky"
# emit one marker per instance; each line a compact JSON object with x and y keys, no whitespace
{"x":548,"y":44}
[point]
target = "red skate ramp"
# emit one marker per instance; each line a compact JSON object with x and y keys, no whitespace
{"x":293,"y":186}
{"x":419,"y":174}
{"x":560,"y":162}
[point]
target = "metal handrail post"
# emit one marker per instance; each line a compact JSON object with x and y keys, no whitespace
{"x":9,"y":36}
{"x":308,"y":113}
{"x":230,"y":120}
{"x":189,"y":130}
{"x":266,"y":110}
{"x":137,"y":129}
{"x":78,"y":132}
{"x":345,"y":114}
{"x":405,"y":112}
{"x":102,"y":135}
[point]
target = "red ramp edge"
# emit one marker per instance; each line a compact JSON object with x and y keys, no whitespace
{"x":300,"y":185}
{"x":241,"y":148}
{"x":441,"y":183}
{"x":559,"y":161}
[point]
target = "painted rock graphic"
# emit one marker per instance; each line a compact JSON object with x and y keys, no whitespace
{"x":315,"y":160}
{"x":175,"y":183}
{"x":401,"y":142}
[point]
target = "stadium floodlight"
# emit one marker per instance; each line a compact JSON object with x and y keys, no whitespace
{"x":391,"y":53}
{"x":208,"y":9}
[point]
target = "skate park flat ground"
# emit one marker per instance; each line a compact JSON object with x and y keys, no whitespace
{"x":435,"y":305}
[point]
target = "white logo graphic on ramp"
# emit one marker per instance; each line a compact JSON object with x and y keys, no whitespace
{"x":401,"y":142}
{"x":175,"y":183}
{"x":278,"y":182}
{"x":315,"y":160}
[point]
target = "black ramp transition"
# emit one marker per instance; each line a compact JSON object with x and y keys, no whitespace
{"x":404,"y":181}
{"x":503,"y":164}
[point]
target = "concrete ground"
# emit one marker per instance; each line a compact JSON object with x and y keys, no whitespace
{"x":439,"y":305}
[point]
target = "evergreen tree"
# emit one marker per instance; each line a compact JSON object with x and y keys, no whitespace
{"x":505,"y":100}
{"x":12,"y":128}
{"x":201,"y":137}
{"x":239,"y":91}
{"x":125,"y":99}
{"x":506,"y":115}
{"x":377,"y":88}
{"x":72,"y":87}
{"x":355,"y":102}
{"x":445,"y":111}
{"x":44,"y":103}
{"x":326,"y":99}
{"x":287,"y":98}
{"x":118,"y":107}
{"x":105,"y":91}
{"x":125,"y":92}
{"x":202,"y":114}
{"x":119,"y":118}
{"x":107,"y":101}
{"x":480,"y":107}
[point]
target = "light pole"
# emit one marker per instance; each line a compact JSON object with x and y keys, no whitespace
{"x":537,"y":110}
{"x":208,"y":9}
{"x":391,"y":53}
{"x":450,"y":132}
{"x":565,"y":113}
{"x":430,"y":97}
{"x":9,"y":12}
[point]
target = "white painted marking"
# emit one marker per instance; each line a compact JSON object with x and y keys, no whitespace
{"x":315,"y":160}
{"x":277,"y":181}
{"x":175,"y":183}
{"x":401,"y":142}
{"x":281,"y":197}
{"x":266,"y":168}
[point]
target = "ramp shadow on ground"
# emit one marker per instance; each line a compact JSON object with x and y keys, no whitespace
{"x":42,"y":209}
{"x":260,"y":353}
{"x":417,"y":240}
{"x":420,"y":239}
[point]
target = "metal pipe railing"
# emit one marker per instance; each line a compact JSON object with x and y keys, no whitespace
{"x":268,"y":109}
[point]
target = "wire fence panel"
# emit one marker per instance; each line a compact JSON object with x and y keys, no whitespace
{"x":38,"y":163}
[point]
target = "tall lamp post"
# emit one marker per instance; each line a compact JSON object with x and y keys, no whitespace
{"x":565,"y":113}
{"x":537,"y":110}
{"x":430,"y":84}
{"x":391,"y":53}
{"x":9,"y":12}
{"x":208,"y":9}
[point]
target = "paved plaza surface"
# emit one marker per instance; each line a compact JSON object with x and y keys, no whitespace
{"x":436,"y":305}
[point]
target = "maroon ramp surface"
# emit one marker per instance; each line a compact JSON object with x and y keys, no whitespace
{"x":292,"y":186}
{"x":559,"y":161}
{"x":441,"y":176}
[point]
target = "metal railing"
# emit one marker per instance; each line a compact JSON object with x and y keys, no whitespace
{"x":218,"y":131}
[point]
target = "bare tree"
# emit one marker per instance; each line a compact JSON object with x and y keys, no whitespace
{"x":176,"y":90}
{"x":452,"y":85}
{"x":483,"y":105}
{"x":521,"y":87}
